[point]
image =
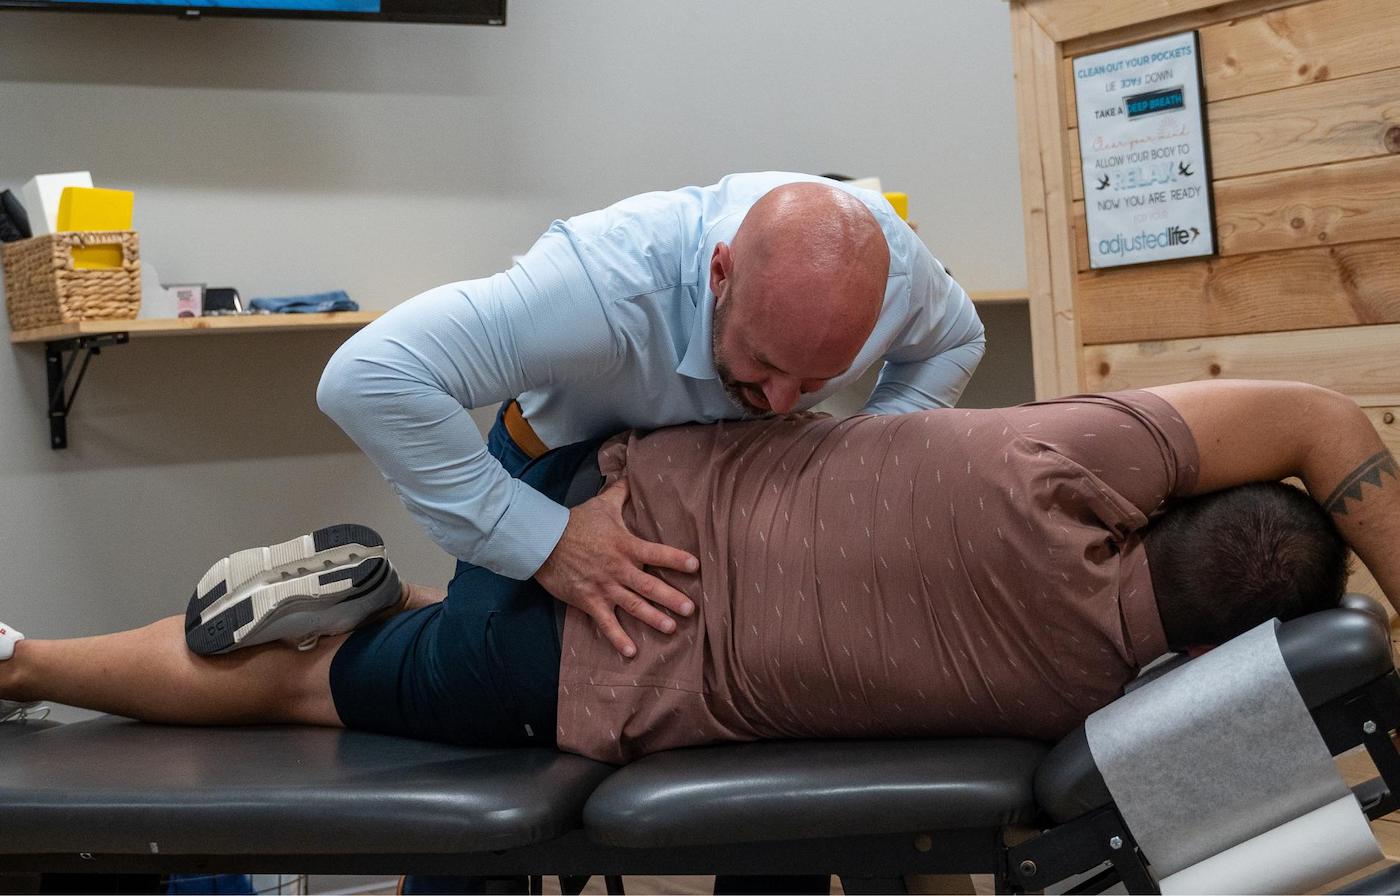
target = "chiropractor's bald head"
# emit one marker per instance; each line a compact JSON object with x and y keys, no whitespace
{"x":797,"y":293}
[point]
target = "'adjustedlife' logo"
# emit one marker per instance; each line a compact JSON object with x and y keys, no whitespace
{"x":1173,"y":235}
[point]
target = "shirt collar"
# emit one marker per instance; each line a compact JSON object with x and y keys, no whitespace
{"x":698,"y":363}
{"x":699,"y":360}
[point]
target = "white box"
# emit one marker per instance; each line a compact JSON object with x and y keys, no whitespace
{"x":40,"y":197}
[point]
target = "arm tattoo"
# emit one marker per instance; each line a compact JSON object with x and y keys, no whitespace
{"x":1372,"y":471}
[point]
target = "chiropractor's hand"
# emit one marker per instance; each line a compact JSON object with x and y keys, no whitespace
{"x":597,"y":567}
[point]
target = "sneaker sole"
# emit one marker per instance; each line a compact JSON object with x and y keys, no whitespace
{"x":243,"y":596}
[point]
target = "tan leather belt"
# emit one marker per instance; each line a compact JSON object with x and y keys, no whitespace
{"x":521,"y":433}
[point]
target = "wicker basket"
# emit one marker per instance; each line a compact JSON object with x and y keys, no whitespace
{"x":43,"y":288}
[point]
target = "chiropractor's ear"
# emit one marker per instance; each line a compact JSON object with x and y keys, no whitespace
{"x":721,"y":270}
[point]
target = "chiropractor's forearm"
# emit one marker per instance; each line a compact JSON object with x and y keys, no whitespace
{"x":935,"y":383}
{"x":933,"y":375}
{"x":400,"y":389}
{"x":938,"y":351}
{"x":402,"y":386}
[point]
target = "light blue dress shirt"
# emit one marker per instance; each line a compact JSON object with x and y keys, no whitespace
{"x":604,"y":325}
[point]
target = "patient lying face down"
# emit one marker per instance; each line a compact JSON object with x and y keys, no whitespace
{"x":953,"y":572}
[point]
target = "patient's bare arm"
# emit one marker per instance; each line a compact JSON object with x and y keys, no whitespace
{"x":1249,"y":431}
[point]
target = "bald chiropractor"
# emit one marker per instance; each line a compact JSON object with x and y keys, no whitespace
{"x":762,"y":294}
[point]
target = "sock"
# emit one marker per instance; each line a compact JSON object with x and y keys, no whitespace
{"x":8,"y":637}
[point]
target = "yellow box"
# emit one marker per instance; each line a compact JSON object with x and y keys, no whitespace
{"x":97,"y":258}
{"x":900,"y":201}
{"x":92,"y":208}
{"x":95,"y":209}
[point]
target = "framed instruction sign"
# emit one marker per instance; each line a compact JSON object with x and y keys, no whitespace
{"x":1142,"y":139}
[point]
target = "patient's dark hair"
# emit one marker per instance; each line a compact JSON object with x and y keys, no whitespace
{"x":1226,"y":561}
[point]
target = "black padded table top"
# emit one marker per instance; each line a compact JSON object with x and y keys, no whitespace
{"x":794,"y":790}
{"x":120,"y":787}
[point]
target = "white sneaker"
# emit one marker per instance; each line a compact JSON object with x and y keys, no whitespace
{"x":323,"y":583}
{"x":8,"y":638}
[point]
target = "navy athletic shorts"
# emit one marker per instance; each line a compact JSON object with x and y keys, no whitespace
{"x":482,"y":667}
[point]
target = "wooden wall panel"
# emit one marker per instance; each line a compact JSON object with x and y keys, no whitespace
{"x":1318,"y":41}
{"x":1044,"y":347}
{"x":1323,"y":205}
{"x":1079,"y":230}
{"x":1304,"y":125}
{"x":1363,"y":362}
{"x":1387,"y":423}
{"x":1303,"y":208}
{"x":1046,"y":210}
{"x":1086,"y":26}
{"x":1339,"y":286}
{"x":1276,"y":49}
{"x":1316,"y":124}
{"x":1068,"y":19}
{"x":1068,"y":112}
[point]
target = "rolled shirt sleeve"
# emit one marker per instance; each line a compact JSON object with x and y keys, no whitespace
{"x":401,"y":388}
{"x":940,"y":348}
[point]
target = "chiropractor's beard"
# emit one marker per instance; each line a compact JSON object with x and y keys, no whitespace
{"x":734,"y":391}
{"x":733,"y":387}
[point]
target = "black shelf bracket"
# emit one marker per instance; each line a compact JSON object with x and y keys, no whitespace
{"x":61,"y":396}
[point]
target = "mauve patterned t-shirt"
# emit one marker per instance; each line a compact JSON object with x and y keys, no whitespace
{"x":950,"y":572}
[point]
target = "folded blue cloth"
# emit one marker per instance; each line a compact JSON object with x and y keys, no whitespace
{"x":210,"y":883}
{"x":321,"y":301}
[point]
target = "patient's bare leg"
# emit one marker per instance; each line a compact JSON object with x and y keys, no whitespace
{"x":149,"y":674}
{"x":416,"y":596}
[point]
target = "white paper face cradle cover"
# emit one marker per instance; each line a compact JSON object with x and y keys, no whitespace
{"x":1222,"y":751}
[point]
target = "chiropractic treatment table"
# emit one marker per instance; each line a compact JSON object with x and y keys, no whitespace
{"x":111,"y":796}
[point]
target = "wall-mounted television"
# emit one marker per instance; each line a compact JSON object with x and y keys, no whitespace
{"x":453,"y":12}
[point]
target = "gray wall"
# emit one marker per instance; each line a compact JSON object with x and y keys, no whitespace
{"x":282,"y":156}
